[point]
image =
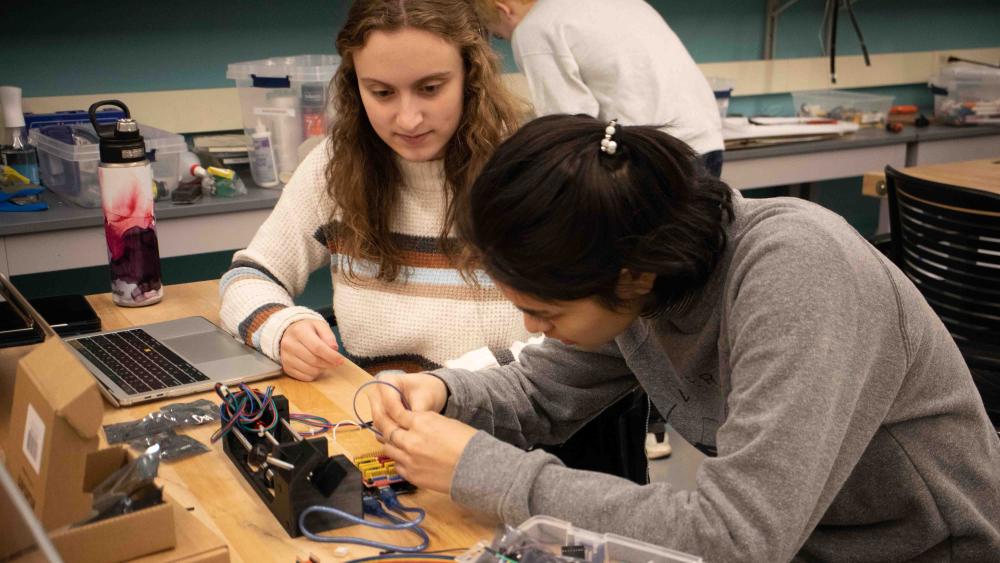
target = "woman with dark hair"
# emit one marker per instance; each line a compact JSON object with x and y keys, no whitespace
{"x":419,"y":108}
{"x":846,"y":422}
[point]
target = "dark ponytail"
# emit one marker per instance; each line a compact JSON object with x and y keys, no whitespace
{"x":553,"y":216}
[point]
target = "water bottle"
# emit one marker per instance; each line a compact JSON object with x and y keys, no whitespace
{"x":126,"y":181}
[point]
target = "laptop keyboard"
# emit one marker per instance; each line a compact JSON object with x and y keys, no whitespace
{"x":136,"y":361}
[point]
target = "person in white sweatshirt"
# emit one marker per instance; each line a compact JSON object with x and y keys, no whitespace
{"x":611,"y":60}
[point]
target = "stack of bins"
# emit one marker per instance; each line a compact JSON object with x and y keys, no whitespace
{"x":284,"y":102}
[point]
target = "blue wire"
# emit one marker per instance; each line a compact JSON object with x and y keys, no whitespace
{"x":420,"y":513}
{"x":397,"y":524}
{"x":391,"y":501}
{"x":354,"y":403}
{"x":403,"y":523}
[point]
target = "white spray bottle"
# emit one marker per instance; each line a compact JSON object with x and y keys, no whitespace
{"x":263,"y":167}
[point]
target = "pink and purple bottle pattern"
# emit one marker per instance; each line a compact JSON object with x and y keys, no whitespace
{"x":130,"y":230}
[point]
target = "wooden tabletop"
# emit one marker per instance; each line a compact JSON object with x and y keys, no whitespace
{"x":974,"y":174}
{"x":222,"y":498}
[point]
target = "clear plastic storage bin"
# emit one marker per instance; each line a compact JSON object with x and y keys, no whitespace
{"x":966,"y":93}
{"x":555,"y":534}
{"x":285,"y":98}
{"x":68,"y":158}
{"x":842,"y":105}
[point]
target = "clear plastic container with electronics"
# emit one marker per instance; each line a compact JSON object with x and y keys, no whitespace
{"x":867,"y":110}
{"x":68,"y":158}
{"x":967,"y":93}
{"x":544,"y":539}
{"x":284,"y":103}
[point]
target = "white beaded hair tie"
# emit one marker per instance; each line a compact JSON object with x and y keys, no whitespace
{"x":607,"y":145}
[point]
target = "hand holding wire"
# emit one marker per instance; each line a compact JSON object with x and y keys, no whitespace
{"x":397,"y":396}
{"x":426,"y":447}
{"x":394,"y":396}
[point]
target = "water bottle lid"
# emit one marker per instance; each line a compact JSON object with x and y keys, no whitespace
{"x":126,"y":125}
{"x":121,"y":142}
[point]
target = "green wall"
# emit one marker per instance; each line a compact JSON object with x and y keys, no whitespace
{"x":54,"y":48}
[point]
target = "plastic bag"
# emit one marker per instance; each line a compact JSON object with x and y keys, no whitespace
{"x":128,"y":489}
{"x":171,"y":445}
{"x":167,"y":418}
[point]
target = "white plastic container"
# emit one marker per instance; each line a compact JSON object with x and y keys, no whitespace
{"x":70,"y":170}
{"x":554,"y":534}
{"x":966,"y":93}
{"x":723,"y":90}
{"x":289,"y":96}
{"x":857,"y":107}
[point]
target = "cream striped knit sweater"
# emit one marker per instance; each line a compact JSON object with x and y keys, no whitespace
{"x":422,"y":320}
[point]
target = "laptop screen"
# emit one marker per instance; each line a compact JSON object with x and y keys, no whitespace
{"x":23,"y":538}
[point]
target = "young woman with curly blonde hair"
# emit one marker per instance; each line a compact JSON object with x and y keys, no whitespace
{"x":419,"y":109}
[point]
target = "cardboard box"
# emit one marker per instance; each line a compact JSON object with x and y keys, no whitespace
{"x":55,"y":416}
{"x":165,"y":533}
{"x":9,"y":357}
{"x":120,"y":538}
{"x":51,"y":453}
{"x":195,"y":542}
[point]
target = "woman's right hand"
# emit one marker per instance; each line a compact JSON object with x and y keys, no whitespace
{"x":423,"y":392}
{"x":307,"y":348}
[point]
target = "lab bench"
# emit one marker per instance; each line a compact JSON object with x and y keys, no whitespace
{"x":855,"y":154}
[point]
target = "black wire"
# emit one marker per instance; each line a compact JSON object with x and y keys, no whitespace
{"x":390,"y":552}
{"x":833,"y":40}
{"x":857,"y":30}
{"x":970,"y":61}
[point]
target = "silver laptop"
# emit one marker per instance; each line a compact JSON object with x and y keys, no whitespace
{"x":148,"y":362}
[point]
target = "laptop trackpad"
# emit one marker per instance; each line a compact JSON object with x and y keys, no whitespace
{"x":205,"y":347}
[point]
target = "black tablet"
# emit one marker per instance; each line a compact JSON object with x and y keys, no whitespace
{"x":67,"y":314}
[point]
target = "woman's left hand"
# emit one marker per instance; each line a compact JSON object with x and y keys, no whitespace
{"x":426,"y":447}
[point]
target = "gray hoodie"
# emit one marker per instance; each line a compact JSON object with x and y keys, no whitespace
{"x":847,"y":424}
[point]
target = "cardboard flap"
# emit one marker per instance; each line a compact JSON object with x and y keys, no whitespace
{"x":101,"y":464}
{"x":70,"y":389}
{"x":120,"y":538}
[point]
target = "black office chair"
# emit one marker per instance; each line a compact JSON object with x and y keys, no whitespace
{"x":946,"y":239}
{"x":613,"y":442}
